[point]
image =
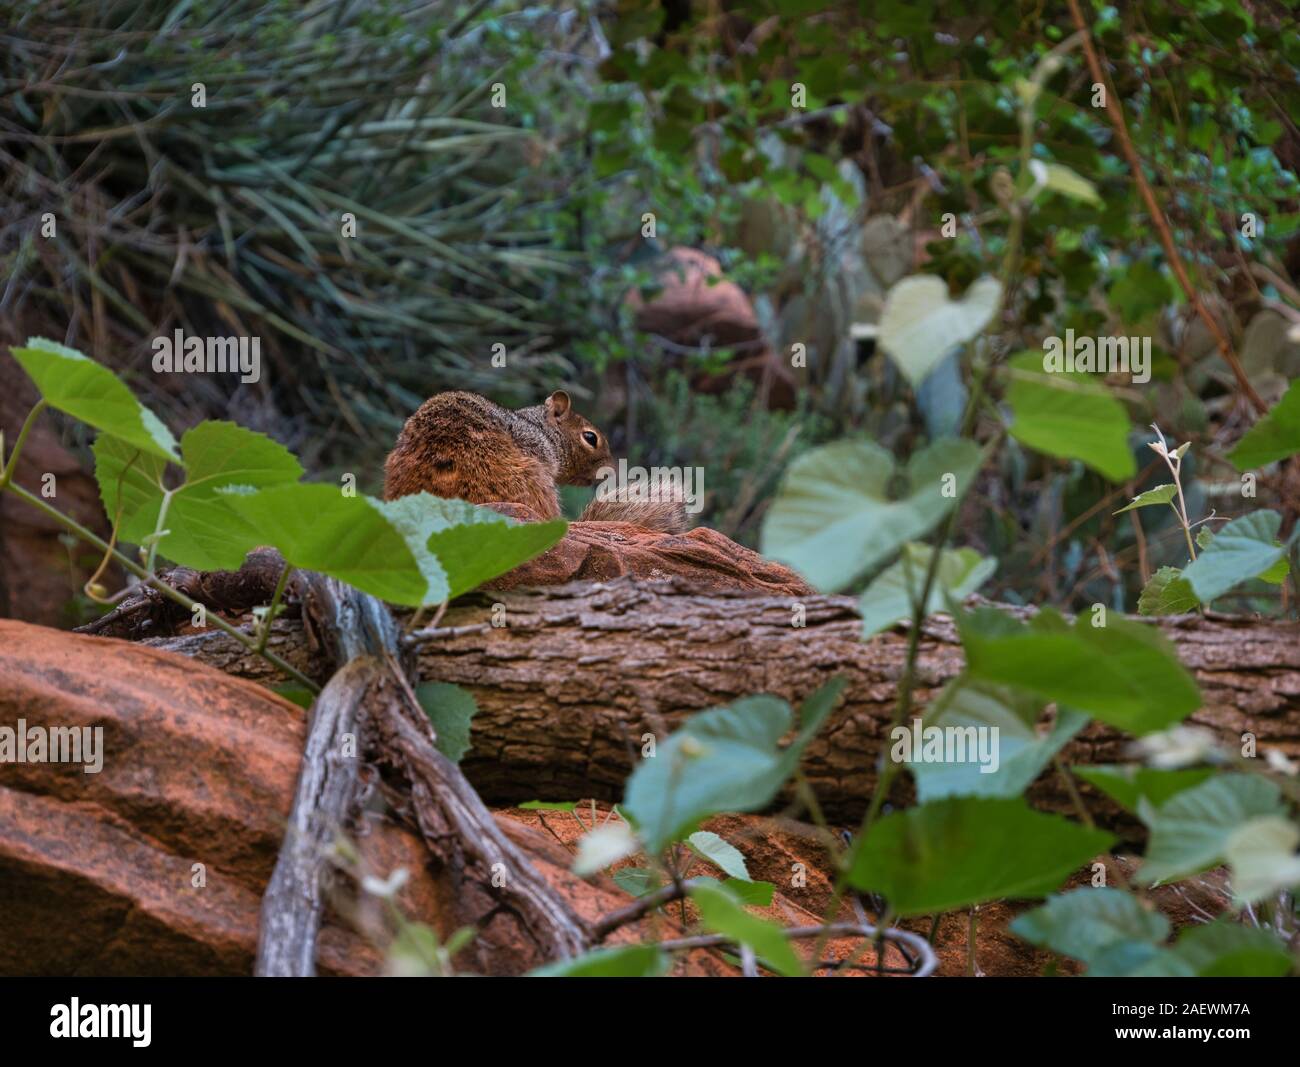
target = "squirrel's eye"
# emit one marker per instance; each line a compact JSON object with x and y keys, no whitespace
{"x":590,"y":438}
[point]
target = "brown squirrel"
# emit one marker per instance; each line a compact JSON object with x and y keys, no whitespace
{"x":463,"y":445}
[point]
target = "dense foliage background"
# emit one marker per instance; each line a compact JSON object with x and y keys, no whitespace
{"x":523,"y":225}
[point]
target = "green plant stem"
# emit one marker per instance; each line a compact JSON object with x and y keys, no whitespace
{"x":28,"y":423}
{"x":265,"y":628}
{"x":979,"y":375}
{"x":154,"y":582}
{"x":158,"y":530}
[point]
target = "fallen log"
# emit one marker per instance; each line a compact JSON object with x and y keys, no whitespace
{"x":568,"y":679}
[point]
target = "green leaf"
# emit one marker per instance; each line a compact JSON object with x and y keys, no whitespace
{"x":724,"y":914}
{"x":1019,"y":751}
{"x":1243,"y":549}
{"x":1224,"y":949}
{"x":1262,"y":856}
{"x":295,"y":694}
{"x":204,"y":532}
{"x":633,"y":961}
{"x":92,"y":393}
{"x":1161,"y":494}
{"x":920,"y":324}
{"x":548,"y":805}
{"x":889,"y":597}
{"x":450,"y":708}
{"x":1083,"y":922}
{"x":317,"y":528}
{"x":1061,"y":179}
{"x":1125,"y":673}
{"x":725,"y":759}
{"x":833,"y":518}
{"x":710,"y":846}
{"x":1167,"y":593}
{"x":1274,"y":437}
{"x":1132,"y":959}
{"x":1277,"y":573}
{"x":1129,"y":784}
{"x":1069,"y":415}
{"x":1140,"y":290}
{"x":751,"y":894}
{"x":951,"y":853}
{"x":476,"y":544}
{"x":1190,"y":832}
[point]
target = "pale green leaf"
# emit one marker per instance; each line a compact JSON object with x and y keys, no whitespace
{"x":833,"y":518}
{"x":1262,"y":856}
{"x":1243,"y":549}
{"x":1190,"y":832}
{"x":630,"y":961}
{"x":920,"y":323}
{"x":889,"y":597}
{"x":1085,"y":921}
{"x":722,"y":913}
{"x":1061,"y":179}
{"x":710,"y":846}
{"x":1003,"y":716}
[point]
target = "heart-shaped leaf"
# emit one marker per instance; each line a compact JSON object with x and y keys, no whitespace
{"x":889,"y":597}
{"x":1002,"y":714}
{"x":960,"y":851}
{"x":833,"y":518}
{"x":1245,"y":548}
{"x":1085,"y":921}
{"x":919,"y":322}
{"x":1190,"y":832}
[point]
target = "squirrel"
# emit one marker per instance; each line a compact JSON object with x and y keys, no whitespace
{"x":463,"y":445}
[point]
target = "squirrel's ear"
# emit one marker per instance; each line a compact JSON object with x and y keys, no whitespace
{"x":557,"y":404}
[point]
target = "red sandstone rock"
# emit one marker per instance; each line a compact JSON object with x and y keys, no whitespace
{"x":97,"y":871}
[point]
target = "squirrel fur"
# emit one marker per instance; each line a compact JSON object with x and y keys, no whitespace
{"x":462,"y":445}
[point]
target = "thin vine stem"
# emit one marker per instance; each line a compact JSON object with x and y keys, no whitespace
{"x":12,"y":465}
{"x":264,"y":631}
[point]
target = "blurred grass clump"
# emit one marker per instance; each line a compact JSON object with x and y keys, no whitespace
{"x":229,"y":218}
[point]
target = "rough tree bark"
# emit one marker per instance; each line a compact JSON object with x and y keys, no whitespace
{"x":370,"y":698}
{"x":577,"y":673}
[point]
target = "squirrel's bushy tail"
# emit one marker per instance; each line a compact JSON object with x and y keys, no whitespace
{"x":649,"y":512}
